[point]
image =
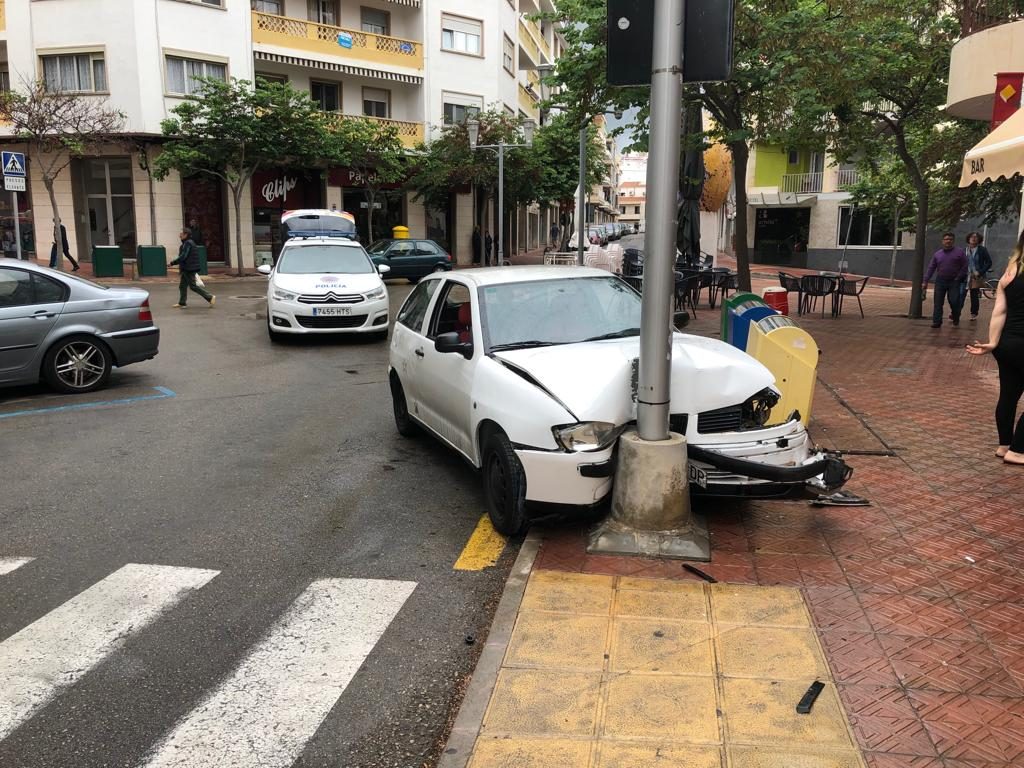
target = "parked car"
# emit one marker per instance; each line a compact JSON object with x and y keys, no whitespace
{"x":595,"y":236}
{"x":530,"y":374}
{"x":69,"y":331}
{"x":411,"y":259}
{"x":325,"y":285}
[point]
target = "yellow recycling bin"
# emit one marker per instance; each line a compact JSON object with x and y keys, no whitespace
{"x":400,"y":233}
{"x":791,"y":355}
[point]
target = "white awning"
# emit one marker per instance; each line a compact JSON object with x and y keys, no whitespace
{"x":780,"y":200}
{"x":999,"y":155}
{"x":331,"y":66}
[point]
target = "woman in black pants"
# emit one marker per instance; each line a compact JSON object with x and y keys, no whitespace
{"x":1006,"y":343}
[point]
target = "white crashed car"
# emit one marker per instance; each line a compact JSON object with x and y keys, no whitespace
{"x":325,"y":285}
{"x":531,"y":374}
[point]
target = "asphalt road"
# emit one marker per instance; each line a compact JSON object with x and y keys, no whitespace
{"x":273,"y":466}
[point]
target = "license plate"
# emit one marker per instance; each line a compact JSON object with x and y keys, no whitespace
{"x":321,"y":311}
{"x":698,"y":476}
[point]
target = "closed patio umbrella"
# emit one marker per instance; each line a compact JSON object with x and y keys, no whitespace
{"x":691,"y":185}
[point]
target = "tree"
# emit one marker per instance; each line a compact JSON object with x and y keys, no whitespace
{"x":232,"y":129}
{"x":373,"y":151}
{"x":58,"y":127}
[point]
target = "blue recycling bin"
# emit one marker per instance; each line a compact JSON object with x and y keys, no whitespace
{"x":743,"y":320}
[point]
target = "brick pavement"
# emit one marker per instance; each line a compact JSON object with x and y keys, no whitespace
{"x":918,"y":600}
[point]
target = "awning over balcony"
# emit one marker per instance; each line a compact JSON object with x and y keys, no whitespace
{"x":410,"y":3}
{"x":780,"y":200}
{"x":331,"y":66}
{"x":998,"y":155}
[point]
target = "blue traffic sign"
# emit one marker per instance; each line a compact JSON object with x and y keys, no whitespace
{"x":14,"y":164}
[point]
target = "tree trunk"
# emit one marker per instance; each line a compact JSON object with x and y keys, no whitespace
{"x":236,"y":193}
{"x":48,"y":183}
{"x":152,"y":200}
{"x":917,"y":276}
{"x":371,"y":196}
{"x":740,"y":156}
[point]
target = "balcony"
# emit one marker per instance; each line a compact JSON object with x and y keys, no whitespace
{"x":802,"y":183}
{"x":410,"y":134}
{"x":528,"y":102}
{"x":336,"y":42}
{"x":528,"y":43}
{"x":974,"y":63}
{"x":846,"y":178}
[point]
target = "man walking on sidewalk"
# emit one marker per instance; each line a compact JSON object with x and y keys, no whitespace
{"x":188,"y":265}
{"x":949,"y":265}
{"x":55,"y":254}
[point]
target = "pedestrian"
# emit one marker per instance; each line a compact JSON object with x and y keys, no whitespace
{"x":1006,"y":343}
{"x":196,"y":232}
{"x":554,"y":235}
{"x":949,"y":265}
{"x":188,"y":265}
{"x":477,"y":245}
{"x":64,"y":248}
{"x":979,"y":263}
{"x":488,"y":245}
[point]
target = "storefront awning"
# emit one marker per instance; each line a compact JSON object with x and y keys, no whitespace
{"x":781,"y":200}
{"x":411,"y":3}
{"x":998,"y":155}
{"x":331,"y":66}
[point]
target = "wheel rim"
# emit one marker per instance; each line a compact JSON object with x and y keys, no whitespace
{"x":497,"y":484}
{"x":80,"y":364}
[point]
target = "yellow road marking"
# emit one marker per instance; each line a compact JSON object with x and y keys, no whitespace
{"x":483,"y":548}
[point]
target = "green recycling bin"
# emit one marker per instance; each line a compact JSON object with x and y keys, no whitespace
{"x":107,"y":261}
{"x":201,"y":250}
{"x":152,"y":261}
{"x":729,"y":310}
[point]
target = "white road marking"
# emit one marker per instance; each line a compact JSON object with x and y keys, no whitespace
{"x":54,"y":652}
{"x":8,"y":564}
{"x":271,"y":705}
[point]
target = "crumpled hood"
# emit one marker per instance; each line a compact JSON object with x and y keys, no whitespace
{"x":595,"y":379}
{"x":340,"y":284}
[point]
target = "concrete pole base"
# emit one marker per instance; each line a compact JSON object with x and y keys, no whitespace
{"x":651,"y":513}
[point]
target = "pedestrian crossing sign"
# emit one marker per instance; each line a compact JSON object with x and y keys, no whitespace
{"x":14,"y":164}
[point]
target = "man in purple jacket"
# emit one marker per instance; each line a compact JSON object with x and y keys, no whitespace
{"x":949,"y":265}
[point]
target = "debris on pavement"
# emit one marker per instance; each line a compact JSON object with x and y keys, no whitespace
{"x":804,"y":707}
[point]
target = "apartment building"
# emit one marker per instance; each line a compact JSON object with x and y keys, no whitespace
{"x":416,"y":64}
{"x":633,"y":189}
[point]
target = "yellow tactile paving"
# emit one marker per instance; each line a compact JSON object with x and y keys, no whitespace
{"x":615,"y":672}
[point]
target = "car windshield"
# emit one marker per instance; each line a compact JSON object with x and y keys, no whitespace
{"x":324,"y":259}
{"x":563,"y":311}
{"x":380,"y":246}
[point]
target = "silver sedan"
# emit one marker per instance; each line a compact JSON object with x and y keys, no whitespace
{"x":69,"y":331}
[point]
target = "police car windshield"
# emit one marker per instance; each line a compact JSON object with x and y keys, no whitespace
{"x":324,"y":259}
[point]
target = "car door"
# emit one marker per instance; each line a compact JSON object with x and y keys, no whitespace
{"x":446,"y":379}
{"x":29,"y":307}
{"x":408,"y":341}
{"x":402,"y":259}
{"x":427,"y":256}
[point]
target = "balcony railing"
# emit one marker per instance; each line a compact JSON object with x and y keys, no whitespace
{"x":339,"y":42}
{"x":410,"y":134}
{"x":528,"y":42}
{"x":802,"y":183}
{"x":978,"y":15}
{"x":527,"y":101}
{"x":846,"y":178}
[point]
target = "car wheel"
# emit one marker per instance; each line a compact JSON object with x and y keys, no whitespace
{"x":439,"y":268}
{"x":504,"y":486}
{"x":78,"y":364}
{"x":403,"y":421}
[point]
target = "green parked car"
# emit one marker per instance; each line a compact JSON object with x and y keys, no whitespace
{"x":411,"y":259}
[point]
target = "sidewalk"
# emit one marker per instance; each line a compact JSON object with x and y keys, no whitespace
{"x":910,"y":610}
{"x":216,"y":273}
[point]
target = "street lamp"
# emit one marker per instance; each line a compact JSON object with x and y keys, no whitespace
{"x":473,"y":127}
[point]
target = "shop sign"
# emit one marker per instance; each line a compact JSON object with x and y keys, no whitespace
{"x":284,"y":190}
{"x":351,"y":178}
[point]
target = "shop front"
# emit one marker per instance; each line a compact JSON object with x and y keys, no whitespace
{"x":388,"y":202}
{"x":274,"y":192}
{"x":9,"y":234}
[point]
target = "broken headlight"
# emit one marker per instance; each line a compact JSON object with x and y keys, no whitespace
{"x":587,"y":436}
{"x":757,"y":409}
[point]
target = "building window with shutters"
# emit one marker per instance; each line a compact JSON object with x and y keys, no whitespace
{"x":374,"y":21}
{"x":75,"y":72}
{"x":327,"y":96}
{"x":376,"y":102}
{"x":459,"y":107}
{"x":183,"y":75}
{"x":461,"y":35}
{"x":508,"y":55}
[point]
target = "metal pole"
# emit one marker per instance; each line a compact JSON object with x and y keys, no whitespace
{"x":895,"y":246}
{"x":662,"y":187}
{"x":501,"y":204}
{"x":17,"y":224}
{"x":581,"y":206}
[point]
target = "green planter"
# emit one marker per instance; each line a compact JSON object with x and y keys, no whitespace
{"x":107,"y":261}
{"x":201,"y":250}
{"x":152,"y":261}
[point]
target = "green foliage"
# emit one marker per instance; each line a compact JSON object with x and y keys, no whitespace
{"x":556,"y":149}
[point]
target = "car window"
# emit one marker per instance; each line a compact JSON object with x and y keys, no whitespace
{"x":415,"y":308}
{"x":402,"y":249}
{"x":448,"y":313}
{"x":379,"y":247}
{"x":425,"y":248}
{"x":15,"y":288}
{"x":324,"y":259}
{"x":48,"y":291}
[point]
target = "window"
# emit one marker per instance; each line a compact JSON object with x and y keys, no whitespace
{"x":458,"y":107}
{"x":75,"y":72}
{"x":15,"y":288}
{"x":218,"y":3}
{"x":507,"y":55}
{"x":866,"y":229}
{"x":374,"y":21}
{"x":327,"y":96}
{"x":323,"y":11}
{"x":183,"y":74}
{"x":636,"y":209}
{"x":446,"y":312}
{"x":47,"y":291}
{"x":793,"y":157}
{"x":268,"y":6}
{"x":415,"y":308}
{"x":268,"y":78}
{"x":5,"y":80}
{"x":376,"y":102}
{"x":426,"y":248}
{"x":461,"y":35}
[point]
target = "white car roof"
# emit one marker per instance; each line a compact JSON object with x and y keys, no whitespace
{"x":523,"y":274}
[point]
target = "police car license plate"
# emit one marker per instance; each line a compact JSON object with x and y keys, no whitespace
{"x":698,"y":476}
{"x":323,"y":311}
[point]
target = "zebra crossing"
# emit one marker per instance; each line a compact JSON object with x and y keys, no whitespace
{"x":261,"y":714}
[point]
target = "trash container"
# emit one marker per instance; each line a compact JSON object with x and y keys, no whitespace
{"x":791,"y":354}
{"x":201,"y":250}
{"x":727,"y":311}
{"x":400,"y":233}
{"x":744,"y":315}
{"x":777,"y":298}
{"x":107,"y":261}
{"x":152,"y":261}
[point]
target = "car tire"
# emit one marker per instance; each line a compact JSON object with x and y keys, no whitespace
{"x":439,"y":268}
{"x":504,"y":486}
{"x":62,"y":373}
{"x":403,"y":421}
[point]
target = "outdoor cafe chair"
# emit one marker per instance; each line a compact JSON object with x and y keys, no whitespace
{"x":818,"y":286}
{"x":723,"y":280}
{"x":851,"y":288}
{"x":792,"y":284}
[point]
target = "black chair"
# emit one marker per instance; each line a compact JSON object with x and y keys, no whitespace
{"x":632,"y":262}
{"x":687,"y":292}
{"x":636,"y":282}
{"x":815,"y":287}
{"x":723,"y":280}
{"x":792,"y":285}
{"x":851,"y":288}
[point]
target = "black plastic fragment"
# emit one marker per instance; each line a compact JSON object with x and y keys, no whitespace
{"x":698,"y":572}
{"x":804,"y":707}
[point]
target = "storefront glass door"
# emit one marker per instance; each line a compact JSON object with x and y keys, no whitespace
{"x":108,"y":192}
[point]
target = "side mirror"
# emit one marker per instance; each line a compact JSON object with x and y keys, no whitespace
{"x":264,"y":269}
{"x":449,"y":342}
{"x":383,"y":269}
{"x":681,"y":319}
